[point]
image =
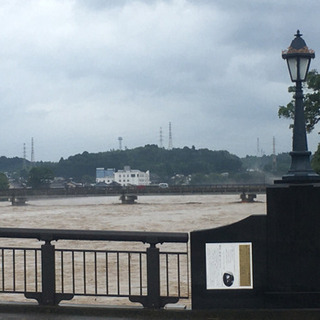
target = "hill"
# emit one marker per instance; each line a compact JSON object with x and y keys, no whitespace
{"x":161,"y":162}
{"x":187,"y":164}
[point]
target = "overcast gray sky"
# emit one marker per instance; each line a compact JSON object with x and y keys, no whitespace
{"x":76,"y":75}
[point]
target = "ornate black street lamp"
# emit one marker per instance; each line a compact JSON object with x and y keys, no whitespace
{"x":298,"y":57}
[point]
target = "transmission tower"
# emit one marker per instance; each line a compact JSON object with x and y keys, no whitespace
{"x":32,"y":151}
{"x":170,"y":137}
{"x":274,"y":158}
{"x":258,"y":147}
{"x":161,"y":138}
{"x":24,"y":156}
{"x":120,"y":143}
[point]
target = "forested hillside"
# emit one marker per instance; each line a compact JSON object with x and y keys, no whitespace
{"x":200,"y":166}
{"x":161,"y":162}
{"x":10,"y":164}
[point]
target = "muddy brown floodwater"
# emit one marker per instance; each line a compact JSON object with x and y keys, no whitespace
{"x":176,"y":213}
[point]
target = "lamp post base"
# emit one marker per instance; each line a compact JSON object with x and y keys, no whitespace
{"x":300,"y":170}
{"x":296,"y":179}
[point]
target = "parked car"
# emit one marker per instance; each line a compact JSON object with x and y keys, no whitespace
{"x":163,"y":185}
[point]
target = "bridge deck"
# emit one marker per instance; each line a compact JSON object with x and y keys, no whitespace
{"x":30,"y":311}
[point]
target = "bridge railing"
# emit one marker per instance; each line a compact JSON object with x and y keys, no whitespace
{"x":50,"y":275}
{"x":152,"y":189}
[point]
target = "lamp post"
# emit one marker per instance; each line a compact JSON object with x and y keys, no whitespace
{"x":298,"y":57}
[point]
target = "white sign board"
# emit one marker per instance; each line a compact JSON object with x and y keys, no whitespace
{"x":229,"y":265}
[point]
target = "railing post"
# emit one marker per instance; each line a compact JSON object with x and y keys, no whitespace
{"x":153,"y":299}
{"x":48,"y":274}
{"x":48,"y":296}
{"x":153,"y":277}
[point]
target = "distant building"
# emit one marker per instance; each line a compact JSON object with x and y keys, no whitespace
{"x":106,"y":176}
{"x":132,"y":177}
{"x":123,"y":177}
{"x":58,"y":183}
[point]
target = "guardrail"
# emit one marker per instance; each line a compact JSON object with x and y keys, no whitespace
{"x":50,"y":275}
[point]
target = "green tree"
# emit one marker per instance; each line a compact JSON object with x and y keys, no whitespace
{"x":40,"y":177}
{"x":311,"y":102}
{"x":315,"y":162}
{"x":88,"y":179}
{"x":4,"y":182}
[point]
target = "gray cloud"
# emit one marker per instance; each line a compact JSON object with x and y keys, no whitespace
{"x":76,"y":75}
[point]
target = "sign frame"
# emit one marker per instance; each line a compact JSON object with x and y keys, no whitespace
{"x":229,"y":266}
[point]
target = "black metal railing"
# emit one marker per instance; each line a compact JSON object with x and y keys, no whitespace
{"x":50,"y":275}
{"x":20,"y":270}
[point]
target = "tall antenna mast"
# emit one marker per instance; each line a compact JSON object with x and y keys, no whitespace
{"x":120,"y":143}
{"x":258,"y":147}
{"x":161,"y":138}
{"x":170,"y":137}
{"x":24,"y":156}
{"x":32,"y":151}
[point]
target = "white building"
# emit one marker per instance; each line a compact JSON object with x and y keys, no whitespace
{"x":124,"y":177}
{"x":127,"y":177}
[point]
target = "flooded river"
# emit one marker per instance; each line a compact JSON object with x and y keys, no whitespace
{"x":151,"y":213}
{"x":174,"y":213}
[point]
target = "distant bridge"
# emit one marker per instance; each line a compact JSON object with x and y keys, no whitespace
{"x":117,"y":190}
